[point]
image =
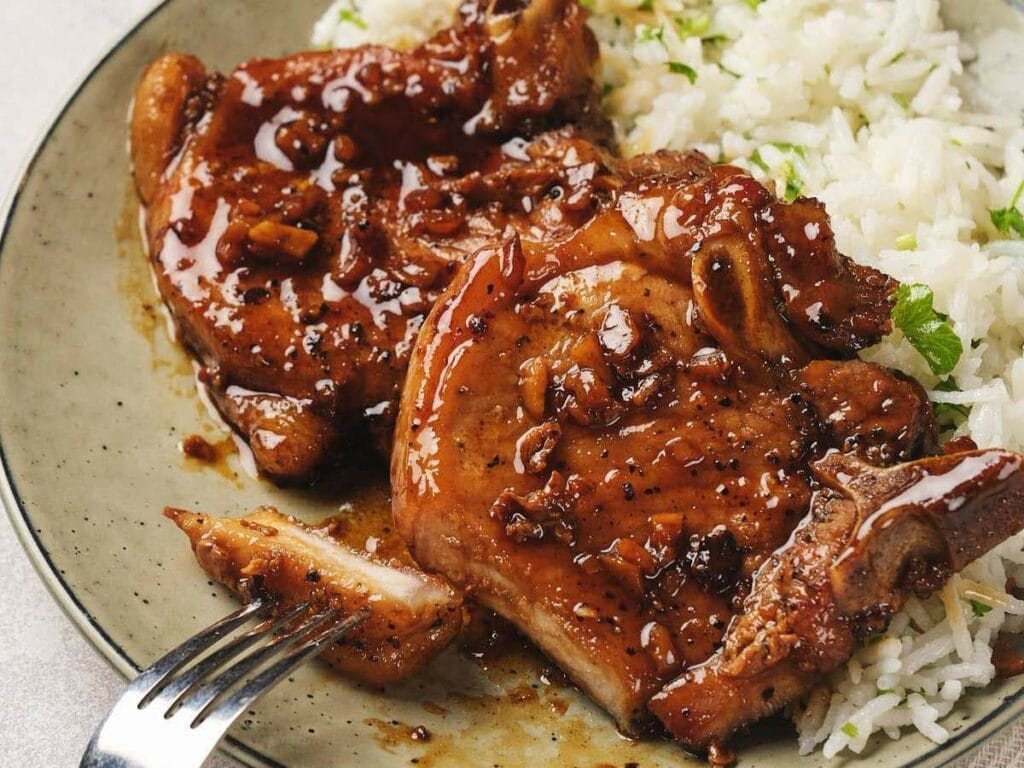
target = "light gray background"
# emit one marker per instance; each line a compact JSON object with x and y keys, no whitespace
{"x":54,"y":688}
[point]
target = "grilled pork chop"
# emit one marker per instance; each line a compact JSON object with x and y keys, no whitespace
{"x":303,"y":213}
{"x":872,"y":536}
{"x":610,"y":437}
{"x":411,"y":615}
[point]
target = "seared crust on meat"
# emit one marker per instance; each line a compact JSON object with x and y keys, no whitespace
{"x":303,"y":213}
{"x":873,"y":537}
{"x":412,"y":616}
{"x":604,"y":435}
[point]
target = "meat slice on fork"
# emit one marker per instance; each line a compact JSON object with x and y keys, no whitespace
{"x":411,"y":615}
{"x":303,"y":213}
{"x":606,"y":435}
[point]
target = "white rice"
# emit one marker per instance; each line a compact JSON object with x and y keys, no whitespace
{"x":860,"y":104}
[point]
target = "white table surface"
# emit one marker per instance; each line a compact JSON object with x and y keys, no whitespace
{"x":53,"y":685}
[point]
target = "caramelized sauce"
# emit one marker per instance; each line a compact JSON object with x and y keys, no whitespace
{"x":149,"y":316}
{"x":1007,"y":657}
{"x":196,"y":447}
{"x":303,"y":214}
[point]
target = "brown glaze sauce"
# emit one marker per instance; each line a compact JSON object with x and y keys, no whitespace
{"x":148,"y":316}
{"x":202,"y":454}
{"x":1007,"y":657}
{"x":197,"y":447}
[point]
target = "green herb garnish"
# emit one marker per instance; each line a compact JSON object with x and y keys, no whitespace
{"x":752,"y":4}
{"x":906,"y":242}
{"x":1009,"y":219}
{"x":645,"y":34}
{"x":902,"y":99}
{"x":757,"y":160}
{"x":793,"y":184}
{"x":979,"y":608}
{"x":646,"y":5}
{"x":678,"y":68}
{"x":351,"y":17}
{"x":694,"y":26}
{"x":849,"y":729}
{"x":949,"y":415}
{"x":727,"y":71}
{"x":928,"y":331}
{"x":785,"y":146}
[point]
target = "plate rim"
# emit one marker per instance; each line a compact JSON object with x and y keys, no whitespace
{"x":17,"y":513}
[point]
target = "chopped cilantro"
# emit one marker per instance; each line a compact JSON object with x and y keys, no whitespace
{"x":728,"y":71}
{"x":949,"y":415}
{"x":929,"y":332}
{"x":1009,"y":220}
{"x":752,"y":4}
{"x":757,"y":160}
{"x":897,"y":57}
{"x":906,"y":242}
{"x":589,"y":4}
{"x":678,"y":68}
{"x":787,"y":147}
{"x":694,"y":26}
{"x":646,"y":5}
{"x":849,"y":729}
{"x":793,"y":184}
{"x":902,"y":99}
{"x":979,"y":608}
{"x":645,"y":34}
{"x":351,"y":17}
{"x":606,"y":89}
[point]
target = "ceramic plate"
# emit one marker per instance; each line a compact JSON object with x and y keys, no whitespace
{"x":96,"y":399}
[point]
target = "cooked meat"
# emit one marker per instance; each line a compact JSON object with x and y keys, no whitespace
{"x":658,"y":388}
{"x":635,"y":424}
{"x":873,"y":536}
{"x":303,"y":213}
{"x":411,"y":616}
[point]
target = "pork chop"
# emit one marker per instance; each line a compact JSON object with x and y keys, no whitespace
{"x":302,"y":214}
{"x":873,"y":536}
{"x":661,"y":386}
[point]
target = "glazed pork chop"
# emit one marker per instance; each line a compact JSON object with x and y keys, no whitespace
{"x":302,"y":214}
{"x":873,"y":536}
{"x":675,"y":472}
{"x":410,"y":615}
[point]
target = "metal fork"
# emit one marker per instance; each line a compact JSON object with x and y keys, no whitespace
{"x":172,"y":715}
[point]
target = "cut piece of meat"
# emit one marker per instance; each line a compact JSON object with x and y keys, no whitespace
{"x":605,"y":435}
{"x":303,"y":213}
{"x":412,"y":616}
{"x":873,"y":536}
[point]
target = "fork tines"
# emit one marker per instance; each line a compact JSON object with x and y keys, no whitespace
{"x":175,"y":711}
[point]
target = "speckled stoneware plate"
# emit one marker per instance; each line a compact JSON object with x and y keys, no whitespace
{"x":95,"y":399}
